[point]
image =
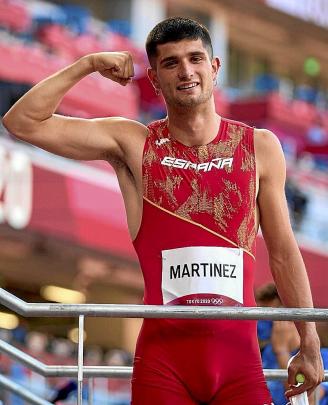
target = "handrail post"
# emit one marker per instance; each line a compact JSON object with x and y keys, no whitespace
{"x":80,"y":360}
{"x":90,"y":391}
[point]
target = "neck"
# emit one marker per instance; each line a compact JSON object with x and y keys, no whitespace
{"x":193,"y":126}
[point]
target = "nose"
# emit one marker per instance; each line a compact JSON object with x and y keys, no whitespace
{"x":185,"y":71}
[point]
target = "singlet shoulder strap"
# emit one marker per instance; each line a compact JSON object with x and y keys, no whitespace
{"x":157,"y":126}
{"x":237,"y":123}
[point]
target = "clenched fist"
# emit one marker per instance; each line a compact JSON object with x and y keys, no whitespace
{"x":117,"y":66}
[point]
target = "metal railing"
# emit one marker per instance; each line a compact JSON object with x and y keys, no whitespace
{"x":129,"y":311}
{"x":17,"y":389}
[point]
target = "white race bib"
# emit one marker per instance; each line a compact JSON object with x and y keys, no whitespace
{"x":202,"y":270}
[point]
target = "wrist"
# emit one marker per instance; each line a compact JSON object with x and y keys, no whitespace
{"x":310,"y":338}
{"x":87,"y":62}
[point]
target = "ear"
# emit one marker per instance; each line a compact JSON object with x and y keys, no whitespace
{"x":215,"y":66}
{"x":152,"y":76}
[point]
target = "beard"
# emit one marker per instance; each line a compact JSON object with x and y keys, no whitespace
{"x":188,"y":101}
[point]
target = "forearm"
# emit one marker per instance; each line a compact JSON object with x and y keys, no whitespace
{"x":292,"y":282}
{"x":283,"y":358}
{"x":42,"y":100}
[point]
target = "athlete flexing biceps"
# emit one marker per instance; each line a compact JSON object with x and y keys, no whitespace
{"x":117,"y":140}
{"x":195,"y":187}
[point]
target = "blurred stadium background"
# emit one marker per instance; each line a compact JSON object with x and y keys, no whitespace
{"x":63,"y":234}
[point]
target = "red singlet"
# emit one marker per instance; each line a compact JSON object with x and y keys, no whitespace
{"x":196,"y":246}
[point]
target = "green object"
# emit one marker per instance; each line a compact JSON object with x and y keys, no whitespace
{"x":300,"y":379}
{"x":312,"y":66}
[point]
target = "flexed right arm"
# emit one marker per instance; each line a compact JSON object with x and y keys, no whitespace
{"x":32,"y":118}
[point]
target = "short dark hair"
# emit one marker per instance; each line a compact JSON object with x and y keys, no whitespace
{"x":175,"y":29}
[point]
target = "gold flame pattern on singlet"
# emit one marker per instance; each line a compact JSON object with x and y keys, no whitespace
{"x":248,"y":162}
{"x":168,"y":186}
{"x":246,"y":233}
{"x":227,"y":148}
{"x":196,"y":203}
{"x":223,"y":208}
{"x":223,"y":205}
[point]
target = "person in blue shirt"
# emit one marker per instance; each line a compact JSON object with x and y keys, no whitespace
{"x":279,"y":341}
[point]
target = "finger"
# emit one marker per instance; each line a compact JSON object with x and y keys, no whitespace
{"x":116,"y":71}
{"x":110,"y":75}
{"x":129,"y":70}
{"x":292,"y":391}
{"x":113,"y":78}
{"x":124,"y":67}
{"x":131,"y":67}
{"x":128,"y":65}
{"x":291,"y":376}
{"x":123,"y":81}
{"x":308,"y":386}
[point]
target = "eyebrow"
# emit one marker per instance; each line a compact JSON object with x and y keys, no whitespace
{"x":173,"y":57}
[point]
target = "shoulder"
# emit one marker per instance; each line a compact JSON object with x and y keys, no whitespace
{"x":268,"y":152}
{"x":124,"y":126}
{"x":266,"y":140}
{"x":120,"y":137}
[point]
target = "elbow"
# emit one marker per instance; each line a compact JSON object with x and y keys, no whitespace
{"x":14,"y":125}
{"x":10,"y":123}
{"x":6,"y":122}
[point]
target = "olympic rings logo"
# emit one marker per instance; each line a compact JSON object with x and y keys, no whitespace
{"x":216,"y":301}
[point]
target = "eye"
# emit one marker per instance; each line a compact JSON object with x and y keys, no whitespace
{"x":170,"y":64}
{"x":196,"y":59}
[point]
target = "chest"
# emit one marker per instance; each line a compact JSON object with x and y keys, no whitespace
{"x":205,"y":175}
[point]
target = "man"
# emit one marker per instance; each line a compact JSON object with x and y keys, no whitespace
{"x":194,"y":202}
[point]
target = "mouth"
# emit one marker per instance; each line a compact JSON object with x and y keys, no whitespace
{"x":187,"y":86}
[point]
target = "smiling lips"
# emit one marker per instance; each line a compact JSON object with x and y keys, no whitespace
{"x":187,"y":86}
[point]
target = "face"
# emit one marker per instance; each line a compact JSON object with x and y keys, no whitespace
{"x":184,"y":73}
